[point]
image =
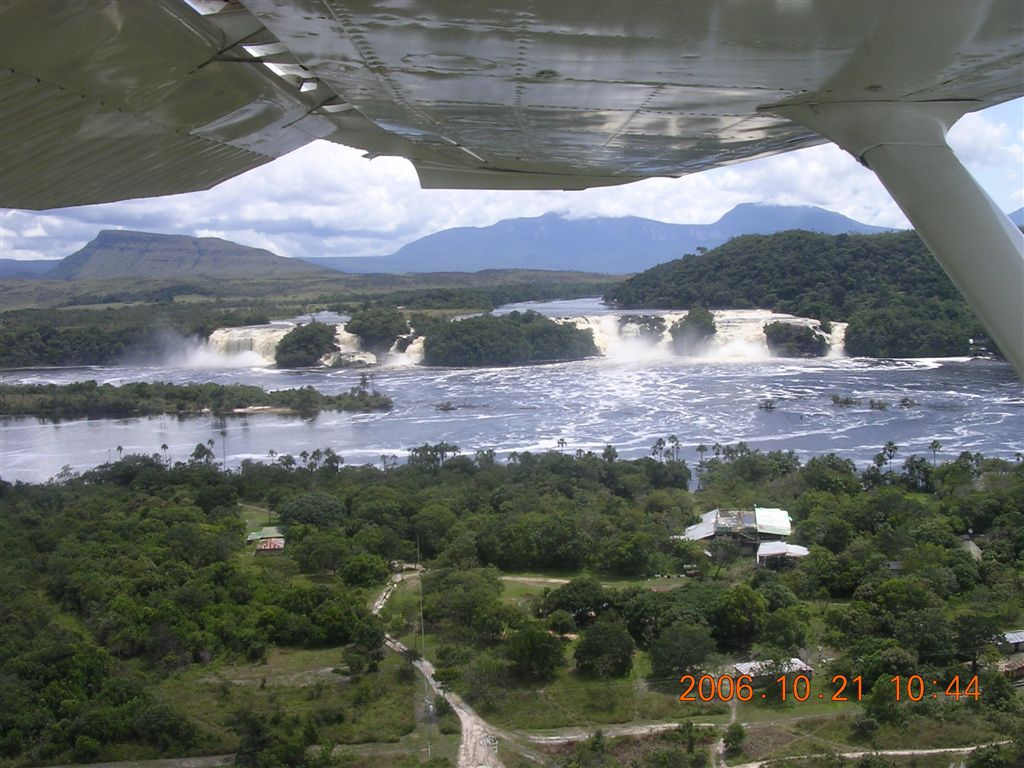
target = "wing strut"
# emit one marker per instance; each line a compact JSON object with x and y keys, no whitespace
{"x":978,"y":246}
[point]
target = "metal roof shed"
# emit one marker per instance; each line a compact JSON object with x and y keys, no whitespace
{"x":772,"y":521}
{"x":779,"y":549}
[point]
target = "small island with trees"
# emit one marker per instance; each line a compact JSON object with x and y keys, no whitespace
{"x":517,"y":338}
{"x":98,"y":401}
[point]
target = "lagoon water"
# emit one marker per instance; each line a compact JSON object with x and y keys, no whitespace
{"x":628,"y":399}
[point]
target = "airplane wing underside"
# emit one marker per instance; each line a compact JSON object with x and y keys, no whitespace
{"x":114,"y":99}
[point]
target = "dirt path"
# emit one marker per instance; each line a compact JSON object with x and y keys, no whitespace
{"x":880,"y":752}
{"x":478,"y":745}
{"x":538,"y":581}
{"x":567,"y":735}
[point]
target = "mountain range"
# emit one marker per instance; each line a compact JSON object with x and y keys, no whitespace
{"x":124,"y":253}
{"x":617,"y":246}
{"x":611,"y":245}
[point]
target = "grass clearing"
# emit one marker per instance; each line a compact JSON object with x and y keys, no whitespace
{"x":572,"y":700}
{"x":678,"y":747}
{"x":255,"y":517}
{"x":818,"y":703}
{"x":374,"y":707}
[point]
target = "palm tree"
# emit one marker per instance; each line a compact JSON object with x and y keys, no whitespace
{"x":332,"y":460}
{"x":120,"y":450}
{"x":163,"y":450}
{"x":935,"y":446}
{"x":890,"y":453}
{"x":561,"y":444}
{"x":701,"y":450}
{"x":658,"y":449}
{"x":674,"y":447}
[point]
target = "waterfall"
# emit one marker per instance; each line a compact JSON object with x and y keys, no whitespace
{"x":350,"y":353}
{"x":619,"y":336}
{"x":739,"y":336}
{"x":837,"y":340}
{"x":407,"y":350}
{"x":260,"y":341}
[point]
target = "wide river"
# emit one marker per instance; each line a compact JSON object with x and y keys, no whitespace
{"x":628,"y":401}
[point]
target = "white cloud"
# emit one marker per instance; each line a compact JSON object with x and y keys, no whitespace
{"x":327,"y":200}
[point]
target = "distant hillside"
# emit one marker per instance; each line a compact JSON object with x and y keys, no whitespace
{"x":609,"y":245}
{"x":26,"y":269}
{"x":896,"y":298}
{"x":1017,"y":217}
{"x":122,"y":253}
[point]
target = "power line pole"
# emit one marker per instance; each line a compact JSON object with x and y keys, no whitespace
{"x":427,"y":703}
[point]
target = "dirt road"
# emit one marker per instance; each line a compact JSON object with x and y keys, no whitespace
{"x":478,"y":746}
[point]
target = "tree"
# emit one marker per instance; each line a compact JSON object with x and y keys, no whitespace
{"x":997,"y":756}
{"x":972,"y":632}
{"x":889,"y":452}
{"x":583,"y":597}
{"x":674,"y":447}
{"x":201,"y":454}
{"x":734,"y":737}
{"x":605,"y":649}
{"x":658,"y":449}
{"x":364,"y":570}
{"x":701,"y":450}
{"x":314,"y":508}
{"x":561,"y":621}
{"x":534,"y":653}
{"x":786,"y":628}
{"x":739,"y":617}
{"x":485,"y":679}
{"x":681,"y":648}
{"x":254,"y":736}
{"x":724,"y":550}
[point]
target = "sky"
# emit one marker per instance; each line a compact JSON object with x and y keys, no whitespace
{"x":327,"y":200}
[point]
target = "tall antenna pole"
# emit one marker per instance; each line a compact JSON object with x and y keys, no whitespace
{"x":427,"y":704}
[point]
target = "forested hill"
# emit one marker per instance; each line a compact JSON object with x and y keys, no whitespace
{"x":888,"y":286}
{"x":122,"y":253}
